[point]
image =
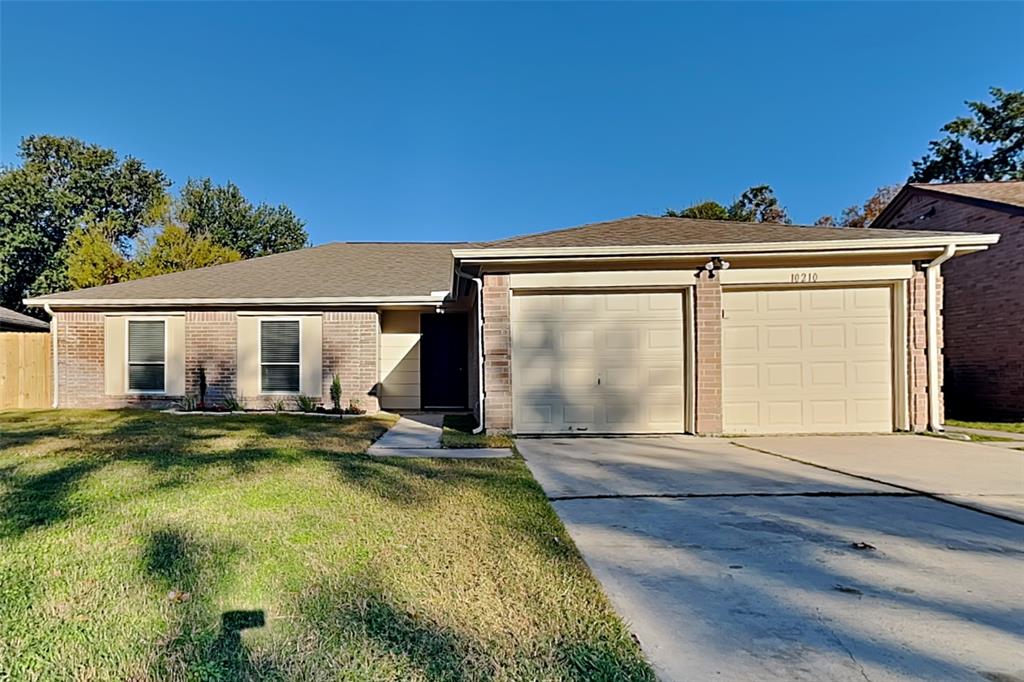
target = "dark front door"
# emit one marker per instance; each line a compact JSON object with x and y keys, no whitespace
{"x":443,"y":361}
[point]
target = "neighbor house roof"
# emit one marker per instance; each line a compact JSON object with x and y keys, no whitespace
{"x":342,"y":272}
{"x":12,"y":320}
{"x":1007,"y":196}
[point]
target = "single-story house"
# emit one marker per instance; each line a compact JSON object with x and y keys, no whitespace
{"x":984,"y":296}
{"x":638,"y":325}
{"x":13,"y":321}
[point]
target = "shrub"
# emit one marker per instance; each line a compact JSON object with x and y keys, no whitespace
{"x":354,"y":408}
{"x":188,"y":404}
{"x":306,"y":403}
{"x":202,"y":386}
{"x":231,"y":404}
{"x":336,"y":392}
{"x":277,"y":405}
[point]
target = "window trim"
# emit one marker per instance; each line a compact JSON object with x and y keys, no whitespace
{"x":127,"y":356}
{"x":259,"y":352}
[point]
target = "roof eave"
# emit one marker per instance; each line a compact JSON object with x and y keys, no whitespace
{"x":354,"y":301}
{"x":851,"y":245}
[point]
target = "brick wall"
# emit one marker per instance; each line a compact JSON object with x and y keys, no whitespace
{"x":351,"y":350}
{"x":917,"y":349}
{"x":708,"y":351}
{"x":497,"y":354}
{"x":211,"y":343}
{"x":984,"y":297}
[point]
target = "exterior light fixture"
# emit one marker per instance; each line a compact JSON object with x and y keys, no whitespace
{"x":716,"y":263}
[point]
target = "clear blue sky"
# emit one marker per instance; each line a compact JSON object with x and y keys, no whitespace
{"x":472,"y":121}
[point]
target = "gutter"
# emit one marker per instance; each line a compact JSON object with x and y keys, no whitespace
{"x":479,"y":344}
{"x":354,"y":301}
{"x":53,"y":351}
{"x":932,"y":335}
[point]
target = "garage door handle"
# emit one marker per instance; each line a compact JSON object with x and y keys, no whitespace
{"x":599,"y":381}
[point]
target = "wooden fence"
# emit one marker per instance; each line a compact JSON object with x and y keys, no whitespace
{"x":26,"y":370}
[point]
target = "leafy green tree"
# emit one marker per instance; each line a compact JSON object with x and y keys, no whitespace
{"x":64,"y":184}
{"x":862,"y":215}
{"x":94,"y":260}
{"x":758,"y":204}
{"x":987,"y":145}
{"x":174,"y":249}
{"x":231,"y":220}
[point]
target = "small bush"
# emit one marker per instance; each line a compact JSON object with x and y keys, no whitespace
{"x":202,"y":386}
{"x":336,"y":392}
{"x":277,"y":405}
{"x":188,"y":404}
{"x":231,"y":404}
{"x":354,"y":408}
{"x":306,"y":403}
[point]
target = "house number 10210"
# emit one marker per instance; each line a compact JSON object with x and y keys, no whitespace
{"x":803,"y":277}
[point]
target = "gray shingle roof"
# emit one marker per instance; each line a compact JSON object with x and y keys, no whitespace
{"x":1010,"y":193}
{"x":12,"y":320}
{"x":656,"y":231}
{"x":338,"y":270}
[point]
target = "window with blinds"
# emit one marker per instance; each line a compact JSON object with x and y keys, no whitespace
{"x":146,"y":360}
{"x":279,"y":356}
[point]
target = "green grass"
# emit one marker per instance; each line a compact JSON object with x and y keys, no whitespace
{"x":458,"y":433}
{"x":1011,"y":427}
{"x":145,"y":546}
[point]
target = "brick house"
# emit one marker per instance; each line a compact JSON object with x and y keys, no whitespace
{"x":638,"y":325}
{"x":984,"y":295}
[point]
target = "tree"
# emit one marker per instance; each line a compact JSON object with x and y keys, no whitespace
{"x":863,"y":215}
{"x":64,"y":184}
{"x":93,"y":260}
{"x":230,"y":220}
{"x":758,"y":204}
{"x":985,"y":146}
{"x":174,"y":250}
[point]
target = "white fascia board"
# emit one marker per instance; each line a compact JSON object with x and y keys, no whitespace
{"x":733,"y":248}
{"x":356,"y":301}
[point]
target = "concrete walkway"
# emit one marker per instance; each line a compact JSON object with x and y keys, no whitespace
{"x":419,"y":435}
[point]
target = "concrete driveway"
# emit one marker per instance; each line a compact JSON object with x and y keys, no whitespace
{"x":731,"y":563}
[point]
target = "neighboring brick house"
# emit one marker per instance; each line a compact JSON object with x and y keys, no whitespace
{"x":984,"y":295}
{"x":639,"y":325}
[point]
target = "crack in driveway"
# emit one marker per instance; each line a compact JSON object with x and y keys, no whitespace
{"x":683,"y":496}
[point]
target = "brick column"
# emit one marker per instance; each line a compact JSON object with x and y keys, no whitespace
{"x":497,"y":354}
{"x":80,"y":358}
{"x":211,"y":343}
{"x":917,"y":359}
{"x":708,"y":323}
{"x":351,"y":350}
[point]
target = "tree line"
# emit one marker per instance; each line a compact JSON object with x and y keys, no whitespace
{"x":75,"y":215}
{"x":986,"y":145}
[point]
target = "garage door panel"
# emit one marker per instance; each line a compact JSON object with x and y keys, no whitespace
{"x":615,"y":363}
{"x":822,"y":360}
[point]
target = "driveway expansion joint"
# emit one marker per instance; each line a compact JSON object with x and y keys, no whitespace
{"x":684,"y":496}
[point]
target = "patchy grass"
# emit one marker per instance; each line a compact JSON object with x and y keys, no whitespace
{"x":1011,"y":427}
{"x":458,"y":433}
{"x":142,"y":546}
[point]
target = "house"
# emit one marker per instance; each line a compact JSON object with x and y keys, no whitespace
{"x":13,"y":321}
{"x":984,"y":295}
{"x":638,"y":325}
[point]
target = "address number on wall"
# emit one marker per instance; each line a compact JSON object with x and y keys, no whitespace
{"x":803,"y":277}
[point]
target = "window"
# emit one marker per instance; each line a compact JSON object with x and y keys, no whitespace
{"x":146,"y":356}
{"x":279,"y":356}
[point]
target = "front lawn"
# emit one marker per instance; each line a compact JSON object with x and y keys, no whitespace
{"x":1012,"y":427}
{"x":458,"y":433}
{"x":138,"y":545}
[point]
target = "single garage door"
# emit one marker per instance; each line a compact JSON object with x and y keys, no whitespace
{"x":807,"y":361}
{"x":597,"y":363}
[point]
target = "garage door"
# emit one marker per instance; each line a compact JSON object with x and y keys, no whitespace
{"x":597,"y":363}
{"x":810,"y":361}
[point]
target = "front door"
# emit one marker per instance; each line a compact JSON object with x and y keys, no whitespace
{"x":443,"y":361}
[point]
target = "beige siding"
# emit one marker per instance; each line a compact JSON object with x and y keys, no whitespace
{"x":114,"y":355}
{"x":400,"y":359}
{"x":598,"y":363}
{"x":807,"y":360}
{"x":175,"y":356}
{"x":248,"y":356}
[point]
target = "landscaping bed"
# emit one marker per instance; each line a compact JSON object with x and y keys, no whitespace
{"x":138,"y":545}
{"x":458,"y":433}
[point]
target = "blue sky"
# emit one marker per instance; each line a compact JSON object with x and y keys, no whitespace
{"x":473,"y":121}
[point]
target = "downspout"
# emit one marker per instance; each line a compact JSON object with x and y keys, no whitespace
{"x":53,"y":351}
{"x":479,"y":344}
{"x":932,"y":332}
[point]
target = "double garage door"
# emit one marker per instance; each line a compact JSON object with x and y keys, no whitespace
{"x":812,"y":361}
